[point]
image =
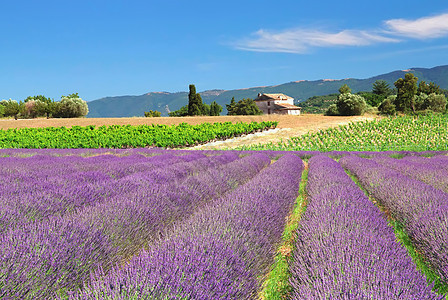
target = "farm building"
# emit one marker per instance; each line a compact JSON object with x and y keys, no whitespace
{"x":277,"y":104}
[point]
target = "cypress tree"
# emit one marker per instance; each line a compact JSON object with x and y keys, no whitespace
{"x":195,"y":105}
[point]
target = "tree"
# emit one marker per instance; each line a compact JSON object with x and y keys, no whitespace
{"x":71,"y":106}
{"x":244,"y":107}
{"x":381,"y":88}
{"x":11,"y":108}
{"x":349,"y":104}
{"x":231,"y":107}
{"x":45,"y":106}
{"x":406,"y":90}
{"x":436,"y":102}
{"x":371,"y":98}
{"x":215,"y":109}
{"x":153,"y":114}
{"x":387,"y":107}
{"x":181,"y":112}
{"x":195,"y":105}
{"x":428,"y":88}
{"x":332,"y":110}
{"x":345,"y":89}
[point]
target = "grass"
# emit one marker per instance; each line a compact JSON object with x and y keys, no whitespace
{"x":277,"y":286}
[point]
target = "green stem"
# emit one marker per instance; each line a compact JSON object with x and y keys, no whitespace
{"x":277,"y":286}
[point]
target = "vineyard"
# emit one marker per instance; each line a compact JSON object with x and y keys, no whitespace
{"x":126,"y":136}
{"x":405,"y":133}
{"x":178,"y":224}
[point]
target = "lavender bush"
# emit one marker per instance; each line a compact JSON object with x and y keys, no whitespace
{"x":50,"y":256}
{"x":421,"y":208}
{"x":433,"y":171}
{"x":221,"y":252}
{"x":344,"y":248}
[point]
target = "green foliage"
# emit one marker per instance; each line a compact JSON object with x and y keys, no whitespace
{"x":153,"y":114}
{"x":125,"y":136}
{"x":215,"y":109}
{"x":406,"y":90}
{"x":11,"y":108}
{"x":381,"y":88}
{"x":41,"y":98}
{"x":181,"y":112}
{"x":2,"y":111}
{"x":345,"y":89}
{"x":404,"y":133}
{"x":372,"y":99}
{"x":318,"y":104}
{"x":428,"y":88}
{"x":433,"y":102}
{"x":332,"y":110}
{"x":387,"y":107}
{"x":42,"y":106}
{"x":277,"y":284}
{"x":245,"y":106}
{"x":436,"y":102}
{"x":71,"y":106}
{"x":195,"y":105}
{"x":351,"y":105}
{"x":231,"y":107}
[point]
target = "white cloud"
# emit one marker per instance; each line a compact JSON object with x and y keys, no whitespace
{"x":301,"y":40}
{"x":423,"y":28}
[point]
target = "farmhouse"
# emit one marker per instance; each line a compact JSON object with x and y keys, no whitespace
{"x":277,"y":104}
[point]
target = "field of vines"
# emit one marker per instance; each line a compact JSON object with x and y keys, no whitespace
{"x":179,"y":224}
{"x":404,"y":133}
{"x":126,"y":136}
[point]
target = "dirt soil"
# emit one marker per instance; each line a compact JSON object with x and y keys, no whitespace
{"x":288,"y":126}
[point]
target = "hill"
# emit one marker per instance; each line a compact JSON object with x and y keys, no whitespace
{"x":129,"y":106}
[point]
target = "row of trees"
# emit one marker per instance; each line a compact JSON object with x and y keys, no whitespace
{"x":410,"y":98}
{"x":406,"y":98}
{"x":196,"y":107}
{"x":70,"y":106}
{"x":245,"y":106}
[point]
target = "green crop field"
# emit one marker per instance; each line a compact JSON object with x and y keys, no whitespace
{"x":404,"y":133}
{"x":125,"y":136}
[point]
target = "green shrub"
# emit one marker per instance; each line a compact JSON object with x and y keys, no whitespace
{"x":153,"y":114}
{"x":70,"y":107}
{"x":351,"y":105}
{"x":387,"y":107}
{"x":332,"y":110}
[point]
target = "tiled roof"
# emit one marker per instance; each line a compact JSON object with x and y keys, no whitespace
{"x":279,"y":96}
{"x":284,"y":106}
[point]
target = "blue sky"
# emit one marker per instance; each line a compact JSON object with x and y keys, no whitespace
{"x":111,"y":48}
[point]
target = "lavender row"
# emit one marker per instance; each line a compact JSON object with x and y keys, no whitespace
{"x":43,"y":259}
{"x":36,"y":188}
{"x":421,"y":208}
{"x":432,"y":171}
{"x":221,"y":252}
{"x":344,"y":248}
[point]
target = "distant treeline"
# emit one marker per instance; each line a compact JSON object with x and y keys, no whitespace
{"x":406,"y":97}
{"x":70,"y":106}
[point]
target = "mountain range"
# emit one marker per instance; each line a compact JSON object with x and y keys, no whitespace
{"x":129,"y":106}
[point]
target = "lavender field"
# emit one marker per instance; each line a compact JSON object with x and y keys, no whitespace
{"x":179,"y":224}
